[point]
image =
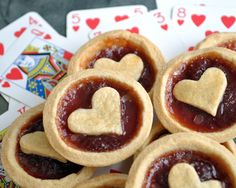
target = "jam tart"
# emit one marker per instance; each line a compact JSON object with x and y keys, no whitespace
{"x":93,"y":115}
{"x":196,"y":92}
{"x":224,"y":40}
{"x":122,"y":51}
{"x":29,"y":159}
{"x":157,"y":131}
{"x":183,"y":160}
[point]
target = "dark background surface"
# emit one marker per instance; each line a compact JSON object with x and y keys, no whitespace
{"x":55,"y":11}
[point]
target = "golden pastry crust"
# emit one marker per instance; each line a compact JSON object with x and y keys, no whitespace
{"x":213,"y":80}
{"x":175,"y":142}
{"x":81,"y":59}
{"x":91,"y":158}
{"x":216,"y":40}
{"x":114,"y":180}
{"x":167,"y":120}
{"x":18,"y":174}
{"x":231,"y":146}
{"x":156,"y":131}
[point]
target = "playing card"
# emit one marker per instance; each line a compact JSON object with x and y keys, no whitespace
{"x":194,"y":23}
{"x":162,"y":19}
{"x":33,"y":66}
{"x":81,"y":22}
{"x":121,"y":167}
{"x":10,"y":109}
{"x":147,"y":25}
{"x":14,"y":31}
{"x":19,"y":93}
{"x":167,"y":5}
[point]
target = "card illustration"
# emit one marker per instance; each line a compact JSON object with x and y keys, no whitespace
{"x":40,"y":67}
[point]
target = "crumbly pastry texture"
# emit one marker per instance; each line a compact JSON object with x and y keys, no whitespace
{"x":114,"y":180}
{"x":104,"y":117}
{"x":36,"y":143}
{"x":130,"y":64}
{"x":216,"y":39}
{"x":181,"y":141}
{"x":82,"y":57}
{"x":206,"y":93}
{"x":156,"y":131}
{"x":179,"y":172}
{"x":88,"y":158}
{"x":159,"y":96}
{"x":18,"y":174}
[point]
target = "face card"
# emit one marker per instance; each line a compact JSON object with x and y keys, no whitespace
{"x":149,"y":27}
{"x":10,"y":109}
{"x":194,"y":23}
{"x":81,"y":22}
{"x":33,"y":66}
{"x":19,"y":93}
{"x":14,"y":31}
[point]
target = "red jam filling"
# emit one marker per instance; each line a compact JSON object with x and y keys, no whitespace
{"x":192,"y":117}
{"x":117,"y":49}
{"x":206,"y":168}
{"x":80,"y":96}
{"x":231,"y":44}
{"x":38,"y":166}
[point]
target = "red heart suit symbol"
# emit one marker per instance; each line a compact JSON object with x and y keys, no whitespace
{"x":19,"y":32}
{"x":93,"y":23}
{"x":208,"y":32}
{"x":228,"y":21}
{"x":47,"y":37}
{"x":67,"y":56}
{"x":75,"y":28}
{"x":191,"y":48}
{"x":133,"y":30}
{"x":14,"y":74}
{"x":119,"y":18}
{"x":180,"y":22}
{"x":6,"y":84}
{"x":165,"y":27}
{"x":1,"y":49}
{"x":198,"y":19}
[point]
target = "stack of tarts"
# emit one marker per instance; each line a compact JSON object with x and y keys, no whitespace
{"x":102,"y":113}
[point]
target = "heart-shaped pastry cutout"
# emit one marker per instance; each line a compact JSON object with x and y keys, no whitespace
{"x":184,"y":175}
{"x":130,"y":64}
{"x":37,"y":143}
{"x":103,"y":118}
{"x":206,"y":93}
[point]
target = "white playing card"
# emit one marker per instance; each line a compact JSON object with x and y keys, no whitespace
{"x":14,"y":31}
{"x":167,"y":5}
{"x":121,"y":167}
{"x":33,"y":66}
{"x":163,"y":20}
{"x":19,"y":93}
{"x":7,"y":116}
{"x":81,"y":22}
{"x":194,"y":23}
{"x":166,"y":40}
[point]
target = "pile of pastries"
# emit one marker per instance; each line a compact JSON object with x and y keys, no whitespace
{"x":120,"y":99}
